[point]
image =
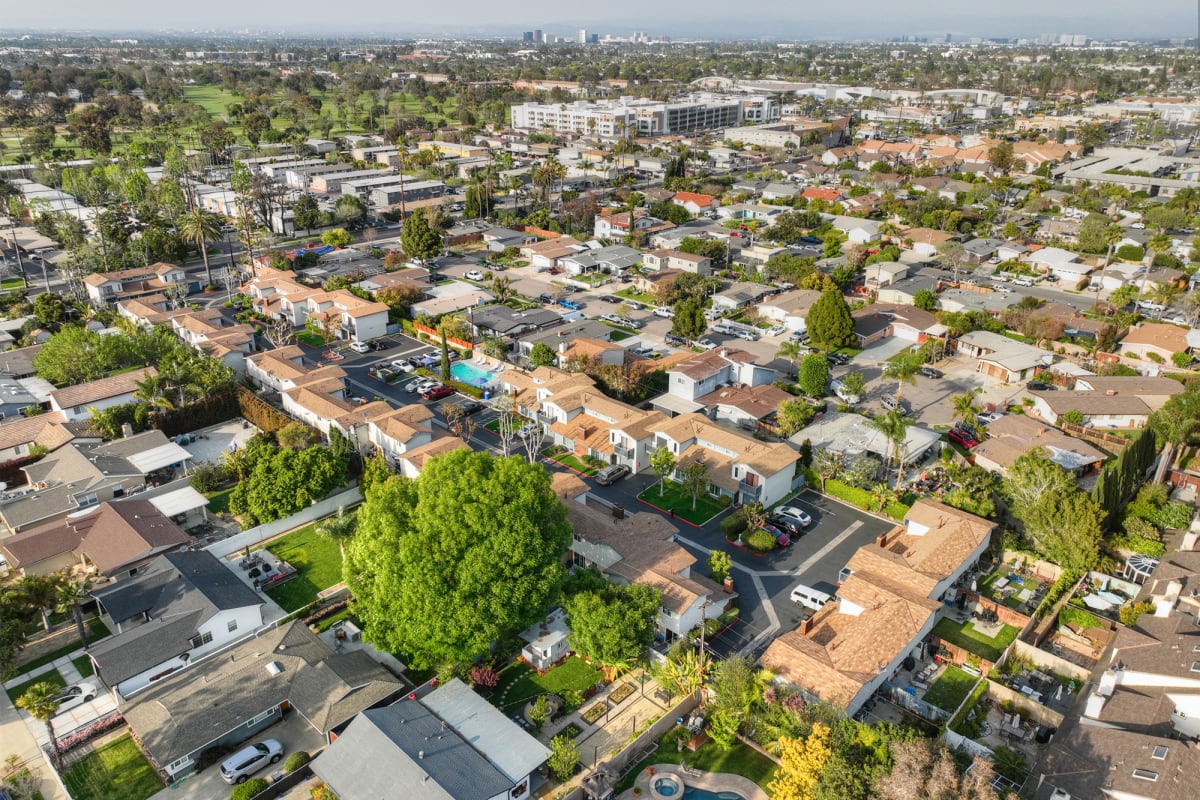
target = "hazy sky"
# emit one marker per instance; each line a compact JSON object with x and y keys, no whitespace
{"x":677,"y":18}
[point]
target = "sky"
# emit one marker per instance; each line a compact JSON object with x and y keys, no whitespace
{"x":674,"y":18}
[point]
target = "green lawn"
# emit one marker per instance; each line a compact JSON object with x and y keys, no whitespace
{"x":633,"y":294}
{"x":84,"y":665}
{"x":218,"y":502}
{"x":53,"y":677}
{"x":965,"y":636}
{"x":556,"y":453}
{"x":618,"y":334}
{"x":737,"y":760}
{"x":96,"y":631}
{"x":950,"y":689}
{"x":12,"y":283}
{"x":318,"y":562}
{"x":116,"y":771}
{"x":674,"y":498}
{"x":518,"y":683}
{"x":494,"y":425}
{"x":310,"y":339}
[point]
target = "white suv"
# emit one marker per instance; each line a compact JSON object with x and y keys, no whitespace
{"x":360,"y":347}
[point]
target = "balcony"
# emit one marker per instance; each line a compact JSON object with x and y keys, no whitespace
{"x":749,"y":492}
{"x":623,"y":452}
{"x":548,"y":419}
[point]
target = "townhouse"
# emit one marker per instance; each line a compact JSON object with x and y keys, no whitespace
{"x":677,"y":259}
{"x":883,"y":610}
{"x":76,"y":403}
{"x":210,"y":333}
{"x":589,"y":423}
{"x":126,"y":284}
{"x":702,"y":374}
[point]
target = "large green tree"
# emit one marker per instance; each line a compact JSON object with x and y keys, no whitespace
{"x":689,"y":321}
{"x":418,"y":239}
{"x":281,"y":482}
{"x":613,"y":626}
{"x":829,"y":322}
{"x":1064,"y":524}
{"x":200,"y":227}
{"x":814,"y":374}
{"x":447,"y":564}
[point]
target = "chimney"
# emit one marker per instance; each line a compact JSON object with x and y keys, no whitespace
{"x":562,"y":347}
{"x":618,"y":512}
{"x":881,"y":539}
{"x":805,"y":627}
{"x":724,"y":353}
{"x":420,"y":754}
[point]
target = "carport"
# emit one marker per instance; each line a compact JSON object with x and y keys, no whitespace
{"x":850,"y":434}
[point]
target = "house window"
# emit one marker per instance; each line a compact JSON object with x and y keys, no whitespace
{"x":21,"y":449}
{"x":257,"y":718}
{"x":84,"y":500}
{"x":1145,"y":775}
{"x":232,"y":626}
{"x":1160,"y":752}
{"x":1196,"y":666}
{"x":201,"y":639}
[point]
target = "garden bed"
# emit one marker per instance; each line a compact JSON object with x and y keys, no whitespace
{"x":621,"y":693}
{"x":675,"y":501}
{"x":593,"y":714}
{"x":559,"y":455}
{"x":571,"y":731}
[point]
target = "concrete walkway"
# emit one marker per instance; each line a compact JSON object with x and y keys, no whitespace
{"x":69,"y":720}
{"x":17,"y":739}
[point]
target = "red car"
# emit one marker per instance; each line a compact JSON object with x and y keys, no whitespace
{"x":964,"y":438}
{"x":437,"y":392}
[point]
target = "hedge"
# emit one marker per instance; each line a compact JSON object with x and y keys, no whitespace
{"x":259,"y":413}
{"x":862,"y":498}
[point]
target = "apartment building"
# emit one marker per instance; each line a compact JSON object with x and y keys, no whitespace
{"x":629,"y":116}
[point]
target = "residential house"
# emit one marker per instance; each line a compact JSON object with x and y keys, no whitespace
{"x":640,"y":548}
{"x":221,"y":702}
{"x":346,"y":315}
{"x":857,"y":230}
{"x":694,"y":202}
{"x":148,"y":311}
{"x":502,"y":322}
{"x":499,"y":239}
{"x":449,"y":743}
{"x":560,"y":337}
{"x":546,"y":642}
{"x":612,"y":259}
{"x":210,"y":333}
{"x":1099,"y":409}
{"x":451,"y":297}
{"x":545,"y":255}
{"x":277,"y":294}
{"x":284,"y":368}
{"x":20,"y":436}
{"x":1013,"y":435}
{"x":177,"y":610}
{"x":107,"y":287}
{"x":589,"y":423}
{"x":400,"y":430}
{"x":739,"y":466}
{"x":744,"y":406}
{"x":82,"y":474}
{"x":1002,"y":358}
{"x":884,"y":610}
{"x":18,"y":362}
{"x":740,"y":294}
{"x":16,"y":399}
{"x":926,"y":241}
{"x":76,"y":403}
{"x":885,"y":273}
{"x":1157,"y":338}
{"x":1055,"y":261}
{"x":610,"y":224}
{"x":1130,"y":737}
{"x":677,"y":260}
{"x":411,"y":463}
{"x":980,"y":250}
{"x":789,"y":308}
{"x":1011,"y":250}
{"x":903,"y":291}
{"x":111,"y":540}
{"x":704,"y":373}
{"x":1153,"y":391}
{"x":527,"y":388}
{"x":827,"y":194}
{"x":780,"y":191}
{"x":909,"y":322}
{"x":870,"y":326}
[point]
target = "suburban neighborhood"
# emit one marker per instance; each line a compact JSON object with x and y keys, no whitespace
{"x":598,"y":416}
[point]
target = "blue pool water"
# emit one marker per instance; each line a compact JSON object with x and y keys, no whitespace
{"x":692,"y":793}
{"x":470,"y":374}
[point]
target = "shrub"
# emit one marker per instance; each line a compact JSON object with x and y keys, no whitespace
{"x":208,"y":477}
{"x":1130,"y":252}
{"x":1069,"y":615}
{"x":296,"y":760}
{"x":1155,"y":357}
{"x":1130,"y":612}
{"x":759,"y":540}
{"x":1172,"y":515}
{"x":484,"y":676}
{"x":733,"y":525}
{"x":252,"y":787}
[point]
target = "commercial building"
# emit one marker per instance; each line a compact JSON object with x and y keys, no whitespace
{"x":644,"y":117}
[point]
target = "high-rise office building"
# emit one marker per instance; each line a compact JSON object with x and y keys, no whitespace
{"x":582,"y":37}
{"x":527,"y":37}
{"x":538,"y":37}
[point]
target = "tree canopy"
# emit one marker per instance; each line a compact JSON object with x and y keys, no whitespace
{"x":469,"y":552}
{"x":829,"y":322}
{"x":418,"y":239}
{"x":614,"y":625}
{"x":279,"y":482}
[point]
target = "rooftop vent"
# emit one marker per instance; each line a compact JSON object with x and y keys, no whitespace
{"x":274,"y":667}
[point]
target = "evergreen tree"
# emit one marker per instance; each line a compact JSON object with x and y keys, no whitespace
{"x":418,"y":239}
{"x":829,"y":321}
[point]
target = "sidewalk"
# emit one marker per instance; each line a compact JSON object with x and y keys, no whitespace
{"x":15,"y":738}
{"x":66,"y":721}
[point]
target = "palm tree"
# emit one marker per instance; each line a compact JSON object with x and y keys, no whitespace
{"x":881,"y":493}
{"x":502,"y":288}
{"x":1162,"y":294}
{"x":69,"y":595}
{"x":904,"y":367}
{"x":339,"y":528}
{"x":200,"y":227}
{"x":40,"y":592}
{"x":1123,"y":295}
{"x":894,"y":426}
{"x":790,"y":349}
{"x":964,"y":407}
{"x":171,"y":388}
{"x":41,"y":701}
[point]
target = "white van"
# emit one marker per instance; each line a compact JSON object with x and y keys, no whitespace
{"x":809,"y":597}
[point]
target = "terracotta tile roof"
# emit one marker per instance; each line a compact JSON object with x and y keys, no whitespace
{"x":821,"y":194}
{"x":85,"y":394}
{"x":701,"y":200}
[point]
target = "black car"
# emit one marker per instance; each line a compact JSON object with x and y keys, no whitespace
{"x":380,"y":344}
{"x":786,"y":524}
{"x":437,"y":277}
{"x":545,"y":298}
{"x":930,"y":372}
{"x":678,"y":341}
{"x":468,"y":407}
{"x":609,"y":298}
{"x":837,"y":359}
{"x":1039,"y":386}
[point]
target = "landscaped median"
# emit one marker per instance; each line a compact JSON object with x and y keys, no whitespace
{"x":864,"y":500}
{"x":671,"y":498}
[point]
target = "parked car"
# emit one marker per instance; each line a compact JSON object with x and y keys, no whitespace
{"x":837,"y":359}
{"x":634,"y":305}
{"x":892,"y":404}
{"x":437,"y":277}
{"x":665,"y":311}
{"x":249,"y":760}
{"x":844,"y":395}
{"x":706,"y":343}
{"x":781,"y":537}
{"x":402,"y":365}
{"x":414,"y":386}
{"x":962,"y":437}
{"x":1039,"y":386}
{"x":468,"y":407}
{"x":570,"y":305}
{"x":776,"y":330}
{"x":609,"y":298}
{"x":380,"y":344}
{"x":436,"y":392}
{"x":75,"y":695}
{"x":545,"y":298}
{"x":474,"y":275}
{"x":987,"y":418}
{"x":611,"y":474}
{"x":930,"y":372}
{"x":671,"y":338}
{"x":796,"y":516}
{"x":360,"y":347}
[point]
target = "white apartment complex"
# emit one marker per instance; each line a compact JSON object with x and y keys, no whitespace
{"x":644,"y":117}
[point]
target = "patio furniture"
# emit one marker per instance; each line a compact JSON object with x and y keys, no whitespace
{"x":1024,"y":595}
{"x":1096,"y":603}
{"x":1000,"y":583}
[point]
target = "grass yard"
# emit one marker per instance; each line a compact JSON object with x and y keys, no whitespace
{"x":633,"y":294}
{"x":494,"y":425}
{"x":950,"y":689}
{"x":568,"y":460}
{"x":518,"y":683}
{"x":116,"y":771}
{"x":675,"y":499}
{"x":965,"y":636}
{"x":84,"y":665}
{"x":311,"y":339}
{"x":619,"y":334}
{"x":11,"y":283}
{"x":53,"y":677}
{"x":738,"y":760}
{"x":318,"y":563}
{"x":218,"y":502}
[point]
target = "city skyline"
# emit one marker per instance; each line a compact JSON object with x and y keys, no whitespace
{"x":775,"y":19}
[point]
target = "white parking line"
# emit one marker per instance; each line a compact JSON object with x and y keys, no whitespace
{"x":824,"y":551}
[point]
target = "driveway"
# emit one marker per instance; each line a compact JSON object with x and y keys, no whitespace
{"x":292,"y":731}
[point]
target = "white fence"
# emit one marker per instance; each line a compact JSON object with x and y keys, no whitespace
{"x":249,"y":538}
{"x":960,"y":742}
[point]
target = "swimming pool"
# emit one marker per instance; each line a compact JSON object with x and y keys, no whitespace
{"x":470,"y":374}
{"x":692,"y":793}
